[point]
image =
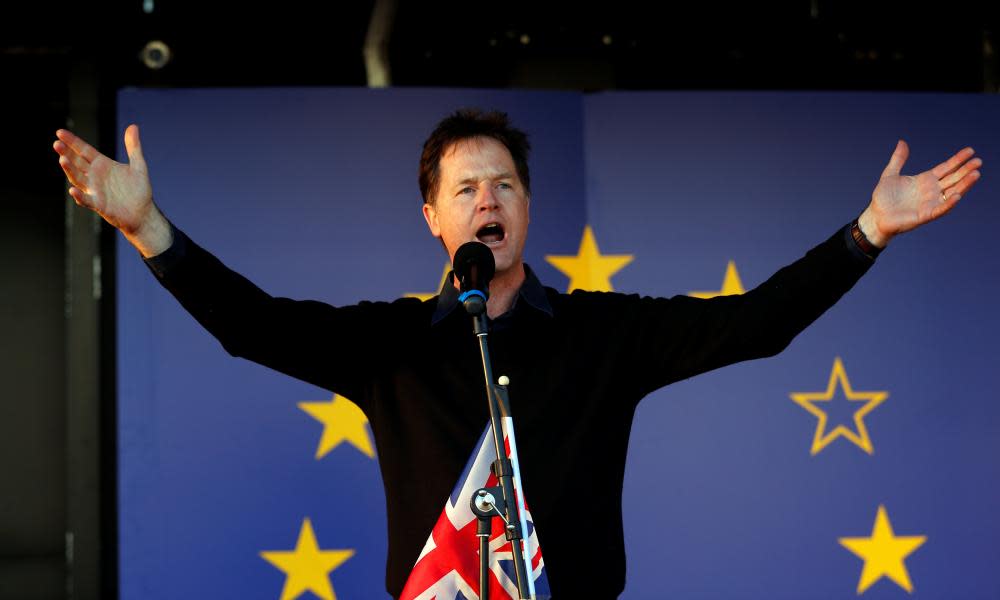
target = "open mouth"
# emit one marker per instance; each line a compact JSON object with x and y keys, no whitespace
{"x":491,"y":233}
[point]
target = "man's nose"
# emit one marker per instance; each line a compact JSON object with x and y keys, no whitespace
{"x":487,"y":199}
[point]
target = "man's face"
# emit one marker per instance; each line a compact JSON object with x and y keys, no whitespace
{"x":480,"y":197}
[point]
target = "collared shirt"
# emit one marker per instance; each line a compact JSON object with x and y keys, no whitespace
{"x":531,"y":293}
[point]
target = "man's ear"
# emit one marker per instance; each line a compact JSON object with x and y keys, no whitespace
{"x":430,"y":215}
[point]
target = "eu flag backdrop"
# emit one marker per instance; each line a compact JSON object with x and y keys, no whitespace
{"x":863,"y":460}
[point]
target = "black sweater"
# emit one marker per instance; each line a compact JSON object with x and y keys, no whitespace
{"x":578,"y":363}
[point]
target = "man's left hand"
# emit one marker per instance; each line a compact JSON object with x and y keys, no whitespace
{"x":903,"y":202}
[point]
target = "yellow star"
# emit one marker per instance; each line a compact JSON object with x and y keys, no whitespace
{"x":342,"y":420}
{"x":883,"y":553}
{"x":860,"y":439}
{"x":731,"y":284}
{"x":428,"y":296}
{"x":589,"y":270}
{"x":307,"y":567}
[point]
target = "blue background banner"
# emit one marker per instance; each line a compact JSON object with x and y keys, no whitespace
{"x":735,"y":487}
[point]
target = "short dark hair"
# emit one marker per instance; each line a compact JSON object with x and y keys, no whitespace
{"x":466,"y":124}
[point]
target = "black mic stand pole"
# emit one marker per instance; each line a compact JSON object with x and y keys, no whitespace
{"x":485,"y":503}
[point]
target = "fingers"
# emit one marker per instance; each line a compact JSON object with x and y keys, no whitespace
{"x":956,"y":176}
{"x":951,"y":196}
{"x":897,"y":160}
{"x":74,"y":159}
{"x":85,"y":150}
{"x":955,"y":192}
{"x":75,"y":175}
{"x":953,"y":163}
{"x":78,"y":196}
{"x":134,"y":148}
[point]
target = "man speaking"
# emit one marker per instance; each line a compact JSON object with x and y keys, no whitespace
{"x":580,"y":362}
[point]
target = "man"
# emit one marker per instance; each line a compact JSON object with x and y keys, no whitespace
{"x":579,"y":364}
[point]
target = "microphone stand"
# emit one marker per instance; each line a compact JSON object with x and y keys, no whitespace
{"x":500,"y":501}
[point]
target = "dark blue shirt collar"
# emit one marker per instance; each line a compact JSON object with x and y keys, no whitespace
{"x":532,"y":292}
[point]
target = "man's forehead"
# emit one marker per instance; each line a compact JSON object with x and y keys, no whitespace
{"x":479,"y":157}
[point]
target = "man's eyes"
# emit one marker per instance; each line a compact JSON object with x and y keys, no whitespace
{"x":502,"y":185}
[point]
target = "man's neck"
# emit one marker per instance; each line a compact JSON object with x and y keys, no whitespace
{"x":503,"y":290}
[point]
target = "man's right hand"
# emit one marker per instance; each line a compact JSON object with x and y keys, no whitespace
{"x":120,"y":193}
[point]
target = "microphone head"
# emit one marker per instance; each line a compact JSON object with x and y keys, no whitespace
{"x":474,"y":266}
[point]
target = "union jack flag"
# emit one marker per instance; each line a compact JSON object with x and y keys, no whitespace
{"x":448,"y":566}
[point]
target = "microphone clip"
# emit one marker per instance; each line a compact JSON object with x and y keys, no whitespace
{"x":474,"y":302}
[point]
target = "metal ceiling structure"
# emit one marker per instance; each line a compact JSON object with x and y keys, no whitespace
{"x":789,"y":44}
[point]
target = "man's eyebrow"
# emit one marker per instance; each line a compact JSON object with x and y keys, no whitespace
{"x":468,"y":180}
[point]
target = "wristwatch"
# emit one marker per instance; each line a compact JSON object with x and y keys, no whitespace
{"x":868,"y":248}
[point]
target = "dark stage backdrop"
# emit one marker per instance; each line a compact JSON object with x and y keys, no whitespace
{"x":863,"y":458}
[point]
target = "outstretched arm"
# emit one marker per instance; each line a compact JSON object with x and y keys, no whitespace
{"x":120,"y":193}
{"x":903,"y":202}
{"x":682,"y":336}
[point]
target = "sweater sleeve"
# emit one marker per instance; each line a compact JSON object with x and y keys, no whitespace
{"x":682,"y":336}
{"x":336,"y":348}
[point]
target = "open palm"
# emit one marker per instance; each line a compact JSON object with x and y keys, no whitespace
{"x":120,"y":193}
{"x":903,"y":202}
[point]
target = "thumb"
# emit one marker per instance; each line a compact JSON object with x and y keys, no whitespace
{"x":134,"y":148}
{"x":898,"y":159}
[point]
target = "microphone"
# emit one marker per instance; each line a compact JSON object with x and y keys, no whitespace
{"x":474,"y":266}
